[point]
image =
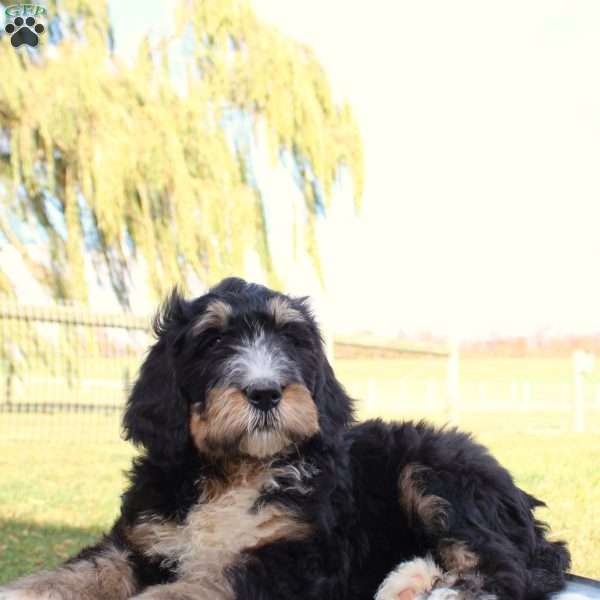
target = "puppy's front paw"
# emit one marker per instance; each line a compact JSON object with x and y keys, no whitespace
{"x":412,"y":580}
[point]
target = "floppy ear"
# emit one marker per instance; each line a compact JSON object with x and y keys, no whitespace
{"x":156,"y":415}
{"x":337,"y":408}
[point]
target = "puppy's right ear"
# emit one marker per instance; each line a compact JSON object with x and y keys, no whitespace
{"x":156,"y":416}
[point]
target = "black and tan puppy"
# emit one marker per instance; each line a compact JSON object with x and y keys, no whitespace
{"x":254,"y":482}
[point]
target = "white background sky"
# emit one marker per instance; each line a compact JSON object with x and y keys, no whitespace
{"x":481,"y":127}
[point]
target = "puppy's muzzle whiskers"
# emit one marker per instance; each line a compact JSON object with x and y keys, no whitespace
{"x":260,"y":420}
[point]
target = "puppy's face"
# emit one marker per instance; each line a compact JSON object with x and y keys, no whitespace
{"x":248,"y":371}
{"x":239,"y":371}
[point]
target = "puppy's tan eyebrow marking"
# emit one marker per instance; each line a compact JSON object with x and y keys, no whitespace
{"x":216,"y":315}
{"x":283,"y":312}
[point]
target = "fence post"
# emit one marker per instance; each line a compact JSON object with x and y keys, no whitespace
{"x":8,"y":390}
{"x":582,"y":363}
{"x":453,"y":382}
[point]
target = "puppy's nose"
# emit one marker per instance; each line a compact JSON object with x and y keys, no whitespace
{"x":264,"y":396}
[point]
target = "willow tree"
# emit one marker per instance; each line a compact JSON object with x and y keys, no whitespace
{"x":120,"y":161}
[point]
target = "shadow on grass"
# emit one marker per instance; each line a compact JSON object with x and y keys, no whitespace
{"x":28,"y":547}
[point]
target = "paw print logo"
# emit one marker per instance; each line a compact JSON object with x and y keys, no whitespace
{"x":24,"y":31}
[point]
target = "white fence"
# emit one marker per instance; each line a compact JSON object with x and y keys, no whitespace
{"x":578,"y":402}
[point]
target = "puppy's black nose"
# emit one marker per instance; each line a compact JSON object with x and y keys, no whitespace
{"x":264,"y":396}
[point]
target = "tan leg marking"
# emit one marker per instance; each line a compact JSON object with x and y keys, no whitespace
{"x":431,"y":510}
{"x":108,"y":577}
{"x":456,"y":556}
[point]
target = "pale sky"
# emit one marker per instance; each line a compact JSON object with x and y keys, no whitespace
{"x":481,"y":126}
{"x":481,"y":129}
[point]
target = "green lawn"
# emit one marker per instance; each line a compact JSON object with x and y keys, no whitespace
{"x":55,"y":497}
{"x":493,"y":383}
{"x":59,"y":495}
{"x":61,"y":476}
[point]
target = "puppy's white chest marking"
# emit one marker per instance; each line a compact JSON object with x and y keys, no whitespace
{"x":216,"y":532}
{"x":219,"y":528}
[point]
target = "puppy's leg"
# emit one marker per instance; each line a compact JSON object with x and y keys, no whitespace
{"x":476,"y":520}
{"x":99,"y":573}
{"x":410,"y":580}
{"x":422,"y":578}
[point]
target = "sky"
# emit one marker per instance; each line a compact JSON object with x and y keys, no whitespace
{"x":481,"y":129}
{"x":481,"y":126}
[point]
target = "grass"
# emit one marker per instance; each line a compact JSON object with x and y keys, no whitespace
{"x":543,"y":369}
{"x":50,"y":464}
{"x":55,"y":498}
{"x":563,"y":471}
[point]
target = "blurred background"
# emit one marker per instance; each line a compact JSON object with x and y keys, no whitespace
{"x":426,"y":171}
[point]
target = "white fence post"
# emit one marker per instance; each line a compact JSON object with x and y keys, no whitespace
{"x":582,"y":363}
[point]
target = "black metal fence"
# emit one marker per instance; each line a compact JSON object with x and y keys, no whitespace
{"x":65,"y":370}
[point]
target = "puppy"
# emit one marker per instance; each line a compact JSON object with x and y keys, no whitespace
{"x":254,"y":483}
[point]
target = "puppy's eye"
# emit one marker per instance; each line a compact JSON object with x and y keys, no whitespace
{"x":217,"y":340}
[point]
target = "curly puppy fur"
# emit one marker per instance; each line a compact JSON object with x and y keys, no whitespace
{"x":254,"y":483}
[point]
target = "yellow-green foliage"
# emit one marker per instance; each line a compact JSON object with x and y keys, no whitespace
{"x":153,"y":166}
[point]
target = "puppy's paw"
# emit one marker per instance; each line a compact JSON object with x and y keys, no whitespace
{"x":412,"y":580}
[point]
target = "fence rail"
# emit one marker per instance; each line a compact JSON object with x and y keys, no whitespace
{"x":65,"y":371}
{"x":72,"y":315}
{"x":52,"y":408}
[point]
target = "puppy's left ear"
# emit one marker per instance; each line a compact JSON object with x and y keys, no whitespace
{"x":156,"y":415}
{"x":337,"y":411}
